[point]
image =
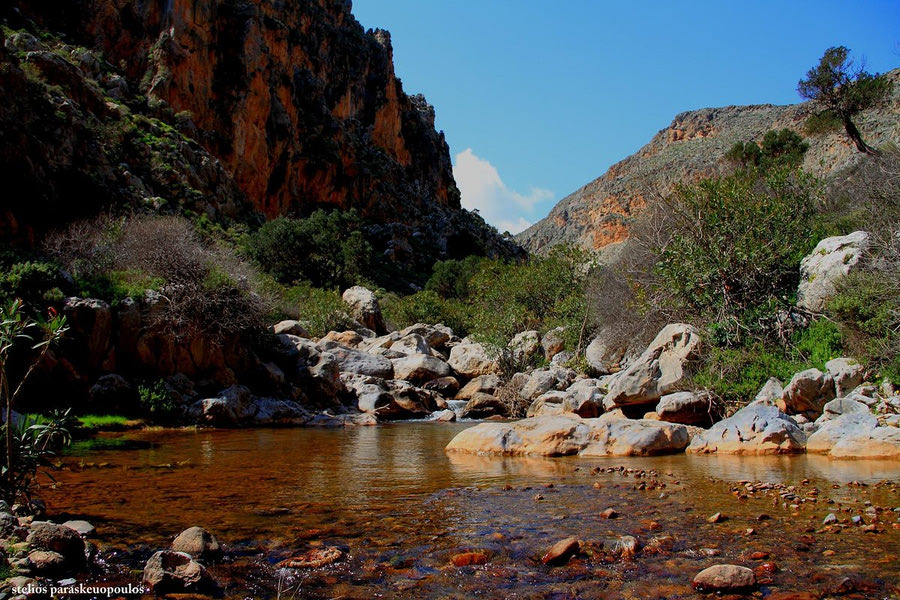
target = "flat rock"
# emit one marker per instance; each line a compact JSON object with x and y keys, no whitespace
{"x":313,"y":559}
{"x":420,"y":368}
{"x":755,"y":429}
{"x":856,"y":435}
{"x":721,"y":578}
{"x":83,"y":528}
{"x":568,"y":435}
{"x":482,"y":406}
{"x":362,"y":363}
{"x":486,"y":384}
{"x":687,"y":408}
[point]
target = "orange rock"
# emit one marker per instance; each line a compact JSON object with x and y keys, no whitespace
{"x":562,"y":551}
{"x":465,"y":559}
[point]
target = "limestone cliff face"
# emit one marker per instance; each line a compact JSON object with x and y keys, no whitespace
{"x":598,"y":215}
{"x":296,"y":100}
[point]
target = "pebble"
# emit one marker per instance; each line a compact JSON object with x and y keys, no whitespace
{"x":562,"y":551}
{"x":609,"y":513}
{"x":831,"y":519}
{"x":716,"y":518}
{"x":857,"y":520}
{"x":465,"y":559}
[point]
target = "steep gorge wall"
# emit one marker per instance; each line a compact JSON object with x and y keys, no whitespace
{"x":297,"y":101}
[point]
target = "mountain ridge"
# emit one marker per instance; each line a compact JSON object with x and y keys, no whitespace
{"x":598,"y":215}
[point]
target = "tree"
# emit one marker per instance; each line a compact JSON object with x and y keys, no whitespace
{"x":842,"y":89}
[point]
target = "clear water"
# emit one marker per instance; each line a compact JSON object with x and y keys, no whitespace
{"x":400,"y":508}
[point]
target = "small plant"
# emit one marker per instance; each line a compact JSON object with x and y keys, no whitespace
{"x":157,"y":401}
{"x":30,"y":445}
{"x":24,"y":342}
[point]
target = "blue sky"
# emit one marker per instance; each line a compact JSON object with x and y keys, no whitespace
{"x":537,"y":98}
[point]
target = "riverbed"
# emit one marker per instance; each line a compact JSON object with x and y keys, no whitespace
{"x":400,"y":508}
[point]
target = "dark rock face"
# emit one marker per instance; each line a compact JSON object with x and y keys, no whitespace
{"x":237,"y":109}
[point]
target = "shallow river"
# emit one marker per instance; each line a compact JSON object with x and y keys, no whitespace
{"x":399,"y":508}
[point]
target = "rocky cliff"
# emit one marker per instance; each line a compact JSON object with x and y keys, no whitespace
{"x":599,"y":215}
{"x":229,"y":108}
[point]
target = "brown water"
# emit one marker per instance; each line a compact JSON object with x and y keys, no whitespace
{"x":399,"y":507}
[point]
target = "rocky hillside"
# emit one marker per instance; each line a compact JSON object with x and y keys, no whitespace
{"x":237,"y":109}
{"x":693,"y":145}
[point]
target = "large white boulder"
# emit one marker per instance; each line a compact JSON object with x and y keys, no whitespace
{"x":755,"y":429}
{"x":660,"y":369}
{"x":831,"y":259}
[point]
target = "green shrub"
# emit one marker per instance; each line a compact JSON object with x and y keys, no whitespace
{"x":35,"y":282}
{"x":867,"y":308}
{"x":158,"y":402}
{"x":427,"y":306}
{"x":319,"y":310}
{"x":115,"y":286}
{"x":327,"y":249}
{"x":450,"y":278}
{"x":737,"y":242}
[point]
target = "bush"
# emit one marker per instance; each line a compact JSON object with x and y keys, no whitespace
{"x":450,"y":278}
{"x":158,"y":402}
{"x":736,"y":242}
{"x":427,"y":306}
{"x":327,"y":249}
{"x":35,"y":282}
{"x":207,"y":290}
{"x":319,"y":310}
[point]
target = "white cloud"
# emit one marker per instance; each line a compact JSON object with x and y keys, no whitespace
{"x":482,"y":189}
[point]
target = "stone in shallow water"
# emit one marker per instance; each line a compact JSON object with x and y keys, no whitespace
{"x":755,"y":429}
{"x":312,"y":559}
{"x":562,"y":551}
{"x":724,"y":578}
{"x":565,"y":435}
{"x":465,"y":559}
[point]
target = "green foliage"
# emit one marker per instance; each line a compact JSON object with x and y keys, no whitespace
{"x":115,"y":286}
{"x":537,"y":294}
{"x":29,"y":446}
{"x":35,"y":282}
{"x":450,"y":278}
{"x":98,"y":421}
{"x":783,"y":148}
{"x":327,"y":249}
{"x":737,"y":242}
{"x":158,"y":402}
{"x":822,"y":123}
{"x":427,"y":306}
{"x":842,"y":89}
{"x":867,"y":307}
{"x":319,"y":310}
{"x":736,"y":373}
{"x":818,"y":343}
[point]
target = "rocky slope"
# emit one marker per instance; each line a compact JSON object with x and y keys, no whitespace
{"x":237,"y":109}
{"x":599,"y":214}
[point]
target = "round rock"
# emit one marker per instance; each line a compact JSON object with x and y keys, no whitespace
{"x":724,"y":578}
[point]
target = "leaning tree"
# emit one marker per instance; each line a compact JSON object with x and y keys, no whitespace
{"x":841,"y":89}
